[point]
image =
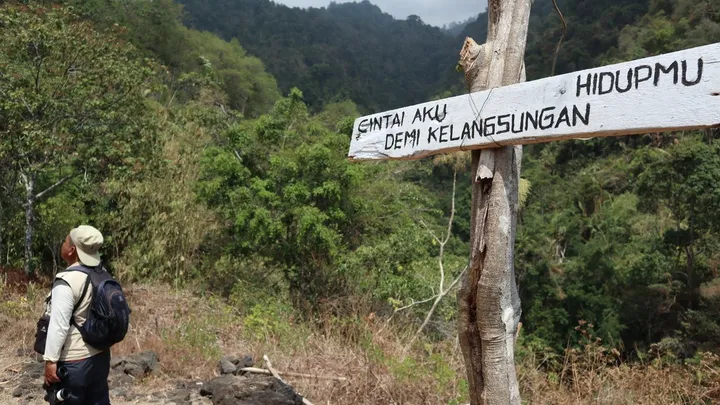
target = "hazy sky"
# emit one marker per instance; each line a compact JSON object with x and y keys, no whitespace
{"x":435,"y":12}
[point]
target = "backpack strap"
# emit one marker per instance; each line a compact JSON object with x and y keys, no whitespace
{"x":77,"y":304}
{"x":82,"y":294}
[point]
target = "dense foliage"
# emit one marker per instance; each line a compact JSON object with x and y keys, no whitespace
{"x":178,"y":145}
{"x":347,"y":50}
{"x":155,"y":27}
{"x":72,"y":105}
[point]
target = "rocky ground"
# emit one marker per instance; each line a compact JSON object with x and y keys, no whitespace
{"x":137,"y":379}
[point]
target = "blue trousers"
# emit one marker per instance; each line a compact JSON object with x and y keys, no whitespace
{"x":87,"y":380}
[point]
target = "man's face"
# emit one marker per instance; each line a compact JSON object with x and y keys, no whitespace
{"x":68,"y":251}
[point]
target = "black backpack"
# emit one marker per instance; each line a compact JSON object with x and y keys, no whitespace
{"x":108,"y":319}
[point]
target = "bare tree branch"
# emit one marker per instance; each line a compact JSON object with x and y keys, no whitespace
{"x":430,"y":313}
{"x":27,"y":106}
{"x":289,"y":374}
{"x":442,"y":291}
{"x":53,"y":187}
{"x":562,"y":38}
{"x":408,"y":306}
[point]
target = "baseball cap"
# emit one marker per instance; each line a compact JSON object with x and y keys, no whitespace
{"x":87,"y":241}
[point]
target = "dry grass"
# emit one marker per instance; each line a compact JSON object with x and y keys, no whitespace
{"x":190,"y":333}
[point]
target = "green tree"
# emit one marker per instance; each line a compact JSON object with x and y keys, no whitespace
{"x":250,"y":89}
{"x":72,"y":103}
{"x":685,"y":180}
{"x":156,"y":29}
{"x":285,"y":186}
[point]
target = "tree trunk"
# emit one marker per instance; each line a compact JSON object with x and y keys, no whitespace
{"x":29,"y":180}
{"x":488,"y":301}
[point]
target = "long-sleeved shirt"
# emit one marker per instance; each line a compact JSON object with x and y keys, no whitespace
{"x":61,"y":308}
{"x":64,"y":341}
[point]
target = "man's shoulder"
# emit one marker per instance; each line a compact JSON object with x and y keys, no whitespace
{"x":72,"y":276}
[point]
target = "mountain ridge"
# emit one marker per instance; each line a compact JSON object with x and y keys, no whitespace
{"x":315,"y":49}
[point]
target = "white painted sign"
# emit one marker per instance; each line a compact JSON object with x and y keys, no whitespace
{"x":676,"y":91}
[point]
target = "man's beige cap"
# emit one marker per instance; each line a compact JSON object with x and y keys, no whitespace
{"x":88,"y":242}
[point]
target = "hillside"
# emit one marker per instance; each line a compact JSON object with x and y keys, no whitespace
{"x":189,"y":346}
{"x":347,"y":50}
{"x":355,"y":51}
{"x":455,"y":28}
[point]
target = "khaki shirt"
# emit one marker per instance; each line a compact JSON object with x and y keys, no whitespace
{"x":74,"y":347}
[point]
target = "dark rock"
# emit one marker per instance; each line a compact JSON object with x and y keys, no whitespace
{"x":137,"y":365}
{"x":252,"y":390}
{"x":239,"y":362}
{"x":135,"y":370}
{"x":116,"y":362}
{"x":221,"y":384}
{"x":25,"y":388}
{"x":181,"y":397}
{"x":232,"y":359}
{"x":116,"y":380}
{"x":227,"y":367}
{"x":246,"y":361}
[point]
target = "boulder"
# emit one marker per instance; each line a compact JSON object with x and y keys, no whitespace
{"x":245,"y":361}
{"x":138,"y":365}
{"x":250,"y":390}
{"x":119,"y":380}
{"x":181,"y":397}
{"x":233,"y":364}
{"x":227,"y":367}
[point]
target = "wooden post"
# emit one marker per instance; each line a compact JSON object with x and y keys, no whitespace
{"x":488,"y":301}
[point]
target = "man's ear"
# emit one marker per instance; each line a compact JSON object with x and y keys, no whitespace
{"x":73,"y":250}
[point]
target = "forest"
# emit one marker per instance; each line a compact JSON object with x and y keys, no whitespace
{"x":208,"y":141}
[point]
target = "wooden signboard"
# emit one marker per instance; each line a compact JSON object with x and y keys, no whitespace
{"x":676,"y":91}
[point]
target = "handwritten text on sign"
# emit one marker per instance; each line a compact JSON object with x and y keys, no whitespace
{"x":677,"y":91}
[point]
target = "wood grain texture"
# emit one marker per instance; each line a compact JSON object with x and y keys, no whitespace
{"x":676,"y":91}
{"x":488,"y":301}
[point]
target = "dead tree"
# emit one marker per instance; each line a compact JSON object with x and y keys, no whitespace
{"x":488,"y":301}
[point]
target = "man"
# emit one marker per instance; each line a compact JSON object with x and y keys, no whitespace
{"x":87,"y":368}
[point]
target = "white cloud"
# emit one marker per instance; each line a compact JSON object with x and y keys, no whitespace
{"x":435,"y":12}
